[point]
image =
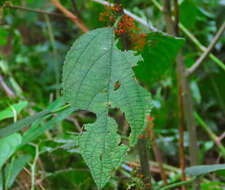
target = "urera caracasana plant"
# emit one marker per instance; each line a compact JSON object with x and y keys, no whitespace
{"x":92,"y":88}
{"x":92,"y":68}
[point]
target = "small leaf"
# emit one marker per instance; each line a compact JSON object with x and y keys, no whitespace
{"x":56,"y":105}
{"x":196,"y":92}
{"x":8,"y":113}
{"x":8,"y":146}
{"x":159,"y":55}
{"x":204,"y":169}
{"x":92,"y":68}
{"x":4,"y":36}
{"x":14,"y":169}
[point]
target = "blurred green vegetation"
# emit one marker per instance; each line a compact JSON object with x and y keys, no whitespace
{"x":32,"y":51}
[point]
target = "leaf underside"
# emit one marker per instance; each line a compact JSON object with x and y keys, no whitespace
{"x":93,"y":66}
{"x":8,"y":145}
{"x":204,"y":169}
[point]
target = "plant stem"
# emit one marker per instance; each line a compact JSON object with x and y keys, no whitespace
{"x":7,"y":90}
{"x":207,"y":52}
{"x":158,"y":156}
{"x":210,"y":133}
{"x":181,"y":128}
{"x":70,"y":15}
{"x":180,"y":67}
{"x":55,"y":53}
{"x":144,"y":161}
{"x":173,"y":30}
{"x":33,"y":167}
{"x":3,"y":177}
{"x":34,"y":10}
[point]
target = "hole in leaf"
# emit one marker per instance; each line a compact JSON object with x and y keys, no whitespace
{"x":85,"y":116}
{"x":116,"y":85}
{"x":123,"y":126}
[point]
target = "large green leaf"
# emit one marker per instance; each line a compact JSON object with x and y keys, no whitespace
{"x":159,"y":55}
{"x":205,"y":169}
{"x":13,"y":109}
{"x":8,"y":146}
{"x":93,"y":68}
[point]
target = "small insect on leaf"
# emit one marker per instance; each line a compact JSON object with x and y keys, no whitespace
{"x":116,"y":85}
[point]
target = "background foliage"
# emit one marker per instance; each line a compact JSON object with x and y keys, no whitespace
{"x":32,"y":50}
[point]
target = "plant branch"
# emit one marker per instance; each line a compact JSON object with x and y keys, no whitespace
{"x":180,"y":66}
{"x":144,"y":160}
{"x":33,"y":167}
{"x":193,"y":39}
{"x":70,"y":15}
{"x":210,"y":133}
{"x":55,"y":53}
{"x":7,"y":90}
{"x":158,"y":156}
{"x":34,"y":10}
{"x":173,"y":30}
{"x":208,"y":50}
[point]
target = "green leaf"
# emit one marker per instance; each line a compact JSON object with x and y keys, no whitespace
{"x":92,"y":69}
{"x":3,"y":36}
{"x":14,"y":169}
{"x":2,"y":2}
{"x":195,"y":92}
{"x":188,"y":13}
{"x":13,"y":109}
{"x":21,"y":124}
{"x":159,"y":56}
{"x":37,"y":129}
{"x":204,"y":169}
{"x":8,"y":146}
{"x":56,"y":106}
{"x":100,"y":150}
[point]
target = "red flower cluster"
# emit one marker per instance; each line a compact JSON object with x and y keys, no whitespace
{"x":125,"y":26}
{"x":141,"y":137}
{"x":150,"y":120}
{"x":150,"y":125}
{"x":107,"y":17}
